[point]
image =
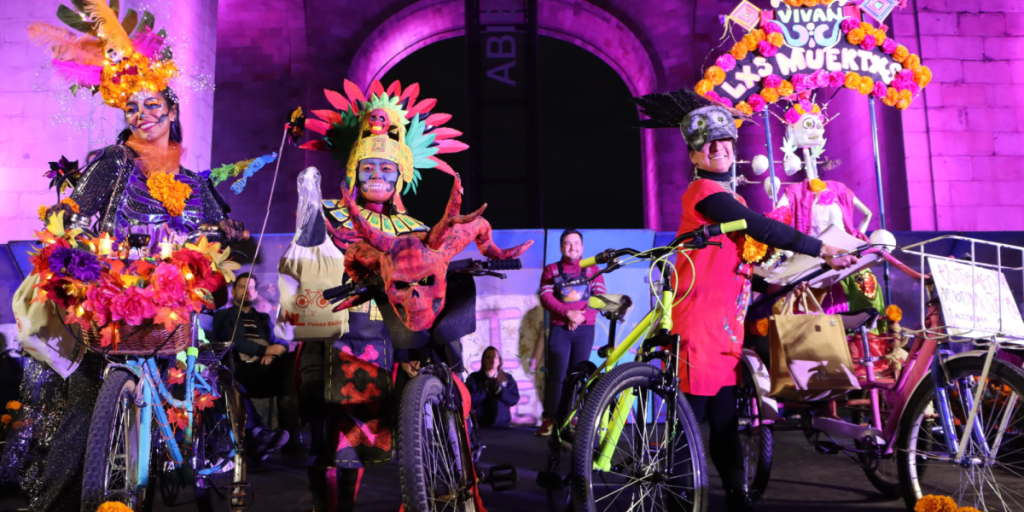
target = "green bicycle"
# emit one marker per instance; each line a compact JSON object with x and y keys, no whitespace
{"x":632,"y":439}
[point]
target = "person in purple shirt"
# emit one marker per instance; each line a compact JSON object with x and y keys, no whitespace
{"x":564,"y":291}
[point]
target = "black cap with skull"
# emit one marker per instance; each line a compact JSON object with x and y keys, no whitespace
{"x":700,"y":120}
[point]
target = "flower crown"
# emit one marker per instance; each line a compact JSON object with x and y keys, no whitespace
{"x":800,"y":109}
{"x":114,"y":58}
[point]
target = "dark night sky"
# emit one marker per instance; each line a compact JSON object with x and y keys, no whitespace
{"x":590,"y":154}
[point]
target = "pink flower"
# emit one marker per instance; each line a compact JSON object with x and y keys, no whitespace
{"x":792,"y":116}
{"x":713,"y":96}
{"x":783,"y":214}
{"x":725,"y":102}
{"x":726,"y":62}
{"x":767,"y":49}
{"x":836,"y":79}
{"x":850,"y":24}
{"x":772,"y":81}
{"x":133,"y":306}
{"x":868,"y":43}
{"x":914,"y":88}
{"x":806,"y":105}
{"x":880,"y":89}
{"x":169,"y":284}
{"x":820,"y":78}
{"x":757,"y":102}
{"x":98,"y":300}
{"x":889,"y":45}
{"x":903,"y":80}
{"x":771,"y":27}
{"x":827,"y":197}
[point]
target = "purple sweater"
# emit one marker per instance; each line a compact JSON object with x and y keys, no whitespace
{"x":559,"y":309}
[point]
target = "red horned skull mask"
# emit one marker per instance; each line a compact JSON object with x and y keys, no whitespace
{"x":379,"y":121}
{"x":414,"y":265}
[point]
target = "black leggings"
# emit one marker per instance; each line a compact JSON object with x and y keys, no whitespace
{"x":726,"y":454}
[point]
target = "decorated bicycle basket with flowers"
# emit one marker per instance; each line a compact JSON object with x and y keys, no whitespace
{"x":142,"y":306}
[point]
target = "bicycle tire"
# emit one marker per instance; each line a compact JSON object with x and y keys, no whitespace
{"x":419,"y":446}
{"x":560,"y":497}
{"x":116,"y":402}
{"x":226,"y":412}
{"x":914,"y":420}
{"x":764,"y":434}
{"x":889,"y":487}
{"x":627,"y":376}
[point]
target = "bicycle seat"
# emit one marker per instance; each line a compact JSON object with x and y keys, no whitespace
{"x":854,"y":320}
{"x":612,"y":307}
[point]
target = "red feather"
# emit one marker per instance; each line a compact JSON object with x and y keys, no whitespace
{"x":395,"y":89}
{"x":437,"y":119}
{"x":445,"y":133}
{"x":353,"y":92}
{"x":317,"y":126}
{"x":337,"y":100}
{"x":377,"y":88}
{"x":328,"y":115}
{"x":451,"y":146}
{"x":441,"y":166}
{"x":412,"y":92}
{"x":423,"y":106}
{"x":147,"y":42}
{"x":315,"y":145}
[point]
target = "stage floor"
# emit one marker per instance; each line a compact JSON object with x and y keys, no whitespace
{"x":802,"y":481}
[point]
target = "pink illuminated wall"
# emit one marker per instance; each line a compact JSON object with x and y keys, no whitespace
{"x":38,"y":127}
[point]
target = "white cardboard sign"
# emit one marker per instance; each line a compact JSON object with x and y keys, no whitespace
{"x":974,"y":306}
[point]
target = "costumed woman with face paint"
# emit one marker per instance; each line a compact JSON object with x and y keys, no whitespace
{"x":709,"y":318}
{"x":346,"y":385}
{"x":136,"y":185}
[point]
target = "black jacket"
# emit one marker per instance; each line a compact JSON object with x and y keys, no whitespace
{"x":492,"y":408}
{"x":224,"y":325}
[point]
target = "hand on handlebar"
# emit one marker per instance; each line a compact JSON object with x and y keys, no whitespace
{"x":837,"y":258}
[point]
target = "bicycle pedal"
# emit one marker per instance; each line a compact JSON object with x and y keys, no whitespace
{"x":827,"y":447}
{"x":502,"y":478}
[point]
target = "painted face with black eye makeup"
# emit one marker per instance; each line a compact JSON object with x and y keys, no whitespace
{"x":149,"y":116}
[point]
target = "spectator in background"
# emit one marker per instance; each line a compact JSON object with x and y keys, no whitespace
{"x":564,"y":290}
{"x":493,"y":390}
{"x":260,"y":362}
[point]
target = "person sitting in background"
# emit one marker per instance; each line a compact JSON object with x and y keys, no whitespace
{"x":493,"y":391}
{"x":260,"y":361}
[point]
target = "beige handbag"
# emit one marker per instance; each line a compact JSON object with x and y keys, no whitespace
{"x":809,"y":352}
{"x":41,"y":330}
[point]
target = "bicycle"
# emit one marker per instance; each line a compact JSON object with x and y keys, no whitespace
{"x":128,"y":459}
{"x":629,"y":426}
{"x":936,"y":428}
{"x":436,"y":452}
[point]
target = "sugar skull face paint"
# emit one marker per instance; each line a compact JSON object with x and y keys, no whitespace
{"x":149,"y":116}
{"x":377,"y":179}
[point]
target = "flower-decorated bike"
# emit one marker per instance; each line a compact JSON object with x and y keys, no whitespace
{"x":948,"y":422}
{"x":160,"y":422}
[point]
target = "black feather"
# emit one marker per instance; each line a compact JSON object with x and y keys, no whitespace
{"x":667,"y":110}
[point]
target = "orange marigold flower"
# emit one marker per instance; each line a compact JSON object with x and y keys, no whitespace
{"x":891,"y":97}
{"x":770,"y":95}
{"x":852,"y":80}
{"x":14,"y":405}
{"x":703,"y":87}
{"x":113,"y":506}
{"x":753,"y":251}
{"x":739,"y":51}
{"x":923,"y":76}
{"x":749,"y":42}
{"x":715,"y":75}
{"x":856,"y":36}
{"x":810,"y":3}
{"x":70,"y":202}
{"x":893,"y":313}
{"x":776,"y":39}
{"x":913,"y":62}
{"x":170,"y":192}
{"x":758,"y":34}
{"x":933,"y":503}
{"x":786,"y":89}
{"x":745,"y":108}
{"x":879,"y":36}
{"x":903,"y":104}
{"x":905,"y":94}
{"x":817,"y":185}
{"x":5,"y":419}
{"x":739,"y":123}
{"x":793,"y":3}
{"x":866,"y":85}
{"x":42,"y":212}
{"x":762,"y":327}
{"x":900,"y":54}
{"x":967,"y":509}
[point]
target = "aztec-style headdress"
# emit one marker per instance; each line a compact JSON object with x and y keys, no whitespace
{"x":115,"y":58}
{"x":388,"y":124}
{"x":699,"y":119}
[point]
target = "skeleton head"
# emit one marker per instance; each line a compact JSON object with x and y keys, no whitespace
{"x":379,"y":122}
{"x":706,"y":124}
{"x":414,"y":266}
{"x":114,"y":55}
{"x":808,"y":131}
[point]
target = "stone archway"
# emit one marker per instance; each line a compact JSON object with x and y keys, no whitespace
{"x":574,"y":21}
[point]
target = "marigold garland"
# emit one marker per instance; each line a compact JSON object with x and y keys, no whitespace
{"x":132,"y":74}
{"x":776,"y":39}
{"x":753,"y":251}
{"x":817,"y":185}
{"x":170,"y":192}
{"x":715,"y":75}
{"x":893,"y":313}
{"x":41,"y":211}
{"x":14,"y":405}
{"x":900,"y":54}
{"x":703,"y":87}
{"x":932,"y":503}
{"x":113,"y":506}
{"x":786,"y":89}
{"x":866,"y":85}
{"x":762,"y":327}
{"x":71,"y":202}
{"x":770,"y":95}
{"x":745,"y":108}
{"x":739,"y":51}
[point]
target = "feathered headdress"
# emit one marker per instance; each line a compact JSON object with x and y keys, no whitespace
{"x":115,"y":58}
{"x":389,"y":124}
{"x":699,"y":119}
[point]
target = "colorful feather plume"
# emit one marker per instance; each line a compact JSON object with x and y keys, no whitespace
{"x":83,"y":75}
{"x":65,"y":45}
{"x":147,"y":42}
{"x":108,"y":27}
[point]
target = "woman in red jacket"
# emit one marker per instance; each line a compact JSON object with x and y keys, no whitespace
{"x":709,"y":316}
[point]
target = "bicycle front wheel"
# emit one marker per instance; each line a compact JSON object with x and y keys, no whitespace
{"x":628,"y":457}
{"x":220,"y":470}
{"x":989,"y":475}
{"x":434,"y":461}
{"x":113,"y":447}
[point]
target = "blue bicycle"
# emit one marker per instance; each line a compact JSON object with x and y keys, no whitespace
{"x":137,"y":446}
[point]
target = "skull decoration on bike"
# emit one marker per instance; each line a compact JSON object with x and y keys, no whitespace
{"x":414,"y":265}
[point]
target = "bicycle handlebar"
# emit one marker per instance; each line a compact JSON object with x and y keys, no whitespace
{"x":702,"y":234}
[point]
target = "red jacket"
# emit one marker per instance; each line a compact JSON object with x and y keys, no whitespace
{"x":559,"y":309}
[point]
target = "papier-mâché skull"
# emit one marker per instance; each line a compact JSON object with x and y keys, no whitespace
{"x":807,"y":132}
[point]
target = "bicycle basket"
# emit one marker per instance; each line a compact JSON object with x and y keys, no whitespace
{"x":143,"y":340}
